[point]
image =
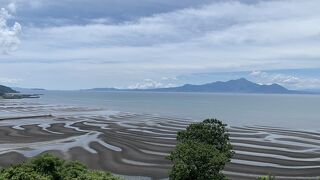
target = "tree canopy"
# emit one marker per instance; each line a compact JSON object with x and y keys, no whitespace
{"x":202,"y":151}
{"x":49,"y":167}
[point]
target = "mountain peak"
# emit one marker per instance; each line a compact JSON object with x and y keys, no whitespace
{"x":241,"y":85}
{"x":241,"y":79}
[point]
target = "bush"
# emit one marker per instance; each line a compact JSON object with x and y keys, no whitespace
{"x":202,"y":151}
{"x":48,"y":167}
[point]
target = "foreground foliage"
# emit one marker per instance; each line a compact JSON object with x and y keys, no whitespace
{"x":203,"y":150}
{"x":48,"y":167}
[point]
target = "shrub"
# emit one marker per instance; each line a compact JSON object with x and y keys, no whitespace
{"x":49,"y":167}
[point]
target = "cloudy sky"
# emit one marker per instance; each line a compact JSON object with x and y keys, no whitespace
{"x":66,"y":44}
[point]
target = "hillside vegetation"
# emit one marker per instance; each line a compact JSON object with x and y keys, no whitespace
{"x":49,"y":167}
{"x":5,"y":89}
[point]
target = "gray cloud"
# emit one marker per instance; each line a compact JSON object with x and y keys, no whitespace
{"x":49,"y":13}
{"x":255,"y":34}
{"x":165,"y":38}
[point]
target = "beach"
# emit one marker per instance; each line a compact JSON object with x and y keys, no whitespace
{"x":135,"y":145}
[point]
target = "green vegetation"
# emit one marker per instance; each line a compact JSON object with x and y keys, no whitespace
{"x":203,"y":150}
{"x":4,"y":89}
{"x":48,"y":167}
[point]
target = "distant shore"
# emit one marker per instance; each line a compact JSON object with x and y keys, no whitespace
{"x":19,"y":96}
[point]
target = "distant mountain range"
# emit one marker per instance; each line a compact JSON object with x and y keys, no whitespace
{"x":5,"y":89}
{"x":241,"y":85}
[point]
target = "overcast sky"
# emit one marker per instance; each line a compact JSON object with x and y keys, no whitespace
{"x":67,"y":44}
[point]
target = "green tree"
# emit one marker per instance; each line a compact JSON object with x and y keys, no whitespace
{"x":48,"y":167}
{"x":202,"y":151}
{"x":210,"y":131}
{"x":196,"y":160}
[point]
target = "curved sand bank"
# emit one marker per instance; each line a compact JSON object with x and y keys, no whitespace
{"x":137,"y":144}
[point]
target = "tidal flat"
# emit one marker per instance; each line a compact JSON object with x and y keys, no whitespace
{"x":135,"y":145}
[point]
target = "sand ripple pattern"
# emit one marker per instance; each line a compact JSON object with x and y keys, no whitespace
{"x":135,"y":145}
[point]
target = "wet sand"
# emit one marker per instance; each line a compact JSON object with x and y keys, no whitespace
{"x":136,"y":145}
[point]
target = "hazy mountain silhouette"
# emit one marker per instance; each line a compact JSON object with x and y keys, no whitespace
{"x":241,"y":85}
{"x":233,"y":86}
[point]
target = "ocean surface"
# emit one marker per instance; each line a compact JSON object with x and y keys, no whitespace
{"x":290,"y":111}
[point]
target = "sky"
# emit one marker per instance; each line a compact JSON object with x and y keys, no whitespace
{"x":65,"y":44}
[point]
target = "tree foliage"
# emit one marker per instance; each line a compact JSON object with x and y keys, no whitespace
{"x":203,"y":150}
{"x":196,"y":160}
{"x":48,"y":167}
{"x":210,"y":131}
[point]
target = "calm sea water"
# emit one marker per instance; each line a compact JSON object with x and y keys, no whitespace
{"x":293,"y":111}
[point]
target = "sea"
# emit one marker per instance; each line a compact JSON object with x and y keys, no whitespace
{"x":276,"y":110}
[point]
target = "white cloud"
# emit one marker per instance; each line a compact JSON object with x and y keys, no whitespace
{"x":12,"y":7}
{"x":101,"y":21}
{"x":150,"y":84}
{"x":5,"y":80}
{"x":289,"y":81}
{"x":169,"y":78}
{"x":9,"y":39}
